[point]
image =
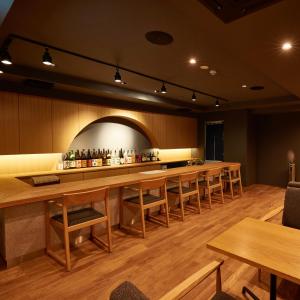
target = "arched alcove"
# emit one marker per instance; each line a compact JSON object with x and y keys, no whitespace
{"x":114,"y":132}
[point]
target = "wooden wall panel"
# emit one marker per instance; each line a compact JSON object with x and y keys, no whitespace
{"x":9,"y":123}
{"x":65,"y":124}
{"x":88,"y":114}
{"x":35,"y":116}
{"x":159,"y":129}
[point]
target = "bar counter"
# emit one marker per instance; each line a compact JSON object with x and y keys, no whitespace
{"x":15,"y":192}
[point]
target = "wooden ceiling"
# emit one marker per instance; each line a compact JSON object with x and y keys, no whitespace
{"x":246,"y":51}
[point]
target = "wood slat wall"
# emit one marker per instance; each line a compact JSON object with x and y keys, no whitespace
{"x":34,"y":124}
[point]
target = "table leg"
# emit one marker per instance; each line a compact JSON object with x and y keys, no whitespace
{"x":273,"y":279}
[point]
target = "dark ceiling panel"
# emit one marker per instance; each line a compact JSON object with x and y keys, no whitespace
{"x":230,"y":10}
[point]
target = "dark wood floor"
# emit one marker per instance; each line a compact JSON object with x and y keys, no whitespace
{"x":156,"y":264}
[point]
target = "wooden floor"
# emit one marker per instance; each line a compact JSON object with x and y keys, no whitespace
{"x":156,"y":264}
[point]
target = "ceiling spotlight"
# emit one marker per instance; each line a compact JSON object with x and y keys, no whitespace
{"x":156,"y":91}
{"x":47,"y":59}
{"x":194,"y":98}
{"x":163,"y":89}
{"x":217,"y":103}
{"x":244,"y":85}
{"x":286,"y":46}
{"x":5,"y":57}
{"x":1,"y":72}
{"x":204,"y":67}
{"x":192,"y":61}
{"x":212,"y":72}
{"x":118,"y":76}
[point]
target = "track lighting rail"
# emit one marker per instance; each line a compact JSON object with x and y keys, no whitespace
{"x":45,"y":45}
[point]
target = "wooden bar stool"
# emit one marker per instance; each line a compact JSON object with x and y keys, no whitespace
{"x":69,"y":221}
{"x":144,"y":201}
{"x":232,"y":176}
{"x":188,"y":187}
{"x":212,"y":181}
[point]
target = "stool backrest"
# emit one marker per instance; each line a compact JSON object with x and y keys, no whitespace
{"x":213,"y":172}
{"x":81,"y":198}
{"x":154,"y":184}
{"x":189,"y":177}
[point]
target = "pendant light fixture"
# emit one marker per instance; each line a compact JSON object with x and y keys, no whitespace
{"x":5,"y":57}
{"x":118,"y":76}
{"x":217,"y":103}
{"x":163,"y":89}
{"x":194,"y":98}
{"x":47,"y":59}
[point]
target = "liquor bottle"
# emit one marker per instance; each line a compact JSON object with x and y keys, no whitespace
{"x":77,"y":159}
{"x":94,"y":158}
{"x":89,"y":159}
{"x":72,"y":159}
{"x":133,"y":156}
{"x":66,"y":162}
{"x":157,"y":155}
{"x":83,"y":159}
{"x":148,"y":158}
{"x":121,"y":157}
{"x":99,"y":158}
{"x":129,"y":157}
{"x":125,"y":157}
{"x":104,"y":161}
{"x":108,"y":158}
{"x":153,"y":157}
{"x":113,"y":158}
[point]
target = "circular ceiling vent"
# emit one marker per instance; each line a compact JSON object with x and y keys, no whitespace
{"x":159,"y":38}
{"x":257,"y":87}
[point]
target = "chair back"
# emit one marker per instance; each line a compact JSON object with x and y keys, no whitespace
{"x":189,"y":177}
{"x":81,"y":198}
{"x":154,"y":184}
{"x":291,"y":210}
{"x":213,"y":172}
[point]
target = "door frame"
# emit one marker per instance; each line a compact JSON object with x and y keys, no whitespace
{"x":210,"y":123}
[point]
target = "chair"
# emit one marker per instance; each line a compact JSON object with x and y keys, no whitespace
{"x":69,"y":221}
{"x":232,"y":176}
{"x":212,"y":181}
{"x":184,"y":192}
{"x":144,"y":201}
{"x":128,"y":291}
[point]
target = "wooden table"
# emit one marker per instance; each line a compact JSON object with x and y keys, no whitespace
{"x":271,"y":247}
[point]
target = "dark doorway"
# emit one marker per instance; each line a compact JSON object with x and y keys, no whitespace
{"x":214,"y":141}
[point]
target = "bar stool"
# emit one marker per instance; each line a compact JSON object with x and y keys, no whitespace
{"x":184,"y":193}
{"x":212,"y":181}
{"x":144,"y":201}
{"x":232,"y":177}
{"x":69,"y":221}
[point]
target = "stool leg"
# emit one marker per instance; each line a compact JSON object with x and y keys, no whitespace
{"x":241,"y":187}
{"x":209,"y":196}
{"x":198,"y":202}
{"x":121,"y":207}
{"x":231,"y":189}
{"x":143,"y":222}
{"x":48,"y":229}
{"x":181,"y":207}
{"x":67,"y":250}
{"x":222,"y":194}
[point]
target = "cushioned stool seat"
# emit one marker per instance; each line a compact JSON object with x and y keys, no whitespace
{"x":147,"y":199}
{"x":222,"y":296}
{"x":79,"y":216}
{"x":127,"y":291}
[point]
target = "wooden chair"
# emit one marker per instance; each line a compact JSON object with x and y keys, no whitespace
{"x":146,"y":200}
{"x":212,"y":181}
{"x":232,"y":176}
{"x":185,"y":193}
{"x":76,"y":219}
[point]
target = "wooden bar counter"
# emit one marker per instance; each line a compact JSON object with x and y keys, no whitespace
{"x":22,"y":228}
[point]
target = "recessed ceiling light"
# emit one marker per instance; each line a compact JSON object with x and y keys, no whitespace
{"x":204,"y":67}
{"x":244,"y":85}
{"x":192,"y":61}
{"x":286,"y":46}
{"x":212,"y":72}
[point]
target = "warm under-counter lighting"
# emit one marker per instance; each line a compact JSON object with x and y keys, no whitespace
{"x":286,"y":46}
{"x":192,"y":61}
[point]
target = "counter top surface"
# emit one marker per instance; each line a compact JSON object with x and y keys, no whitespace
{"x":16,"y":192}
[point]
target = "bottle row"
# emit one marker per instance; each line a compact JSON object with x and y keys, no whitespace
{"x":87,"y":159}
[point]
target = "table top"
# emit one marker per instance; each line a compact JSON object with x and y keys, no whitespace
{"x":271,"y":247}
{"x":16,"y":192}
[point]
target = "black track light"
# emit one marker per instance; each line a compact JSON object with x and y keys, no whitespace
{"x":47,"y":59}
{"x":163,"y":89}
{"x":118,"y":76}
{"x":194,"y":98}
{"x":217,"y":103}
{"x":5,"y":57}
